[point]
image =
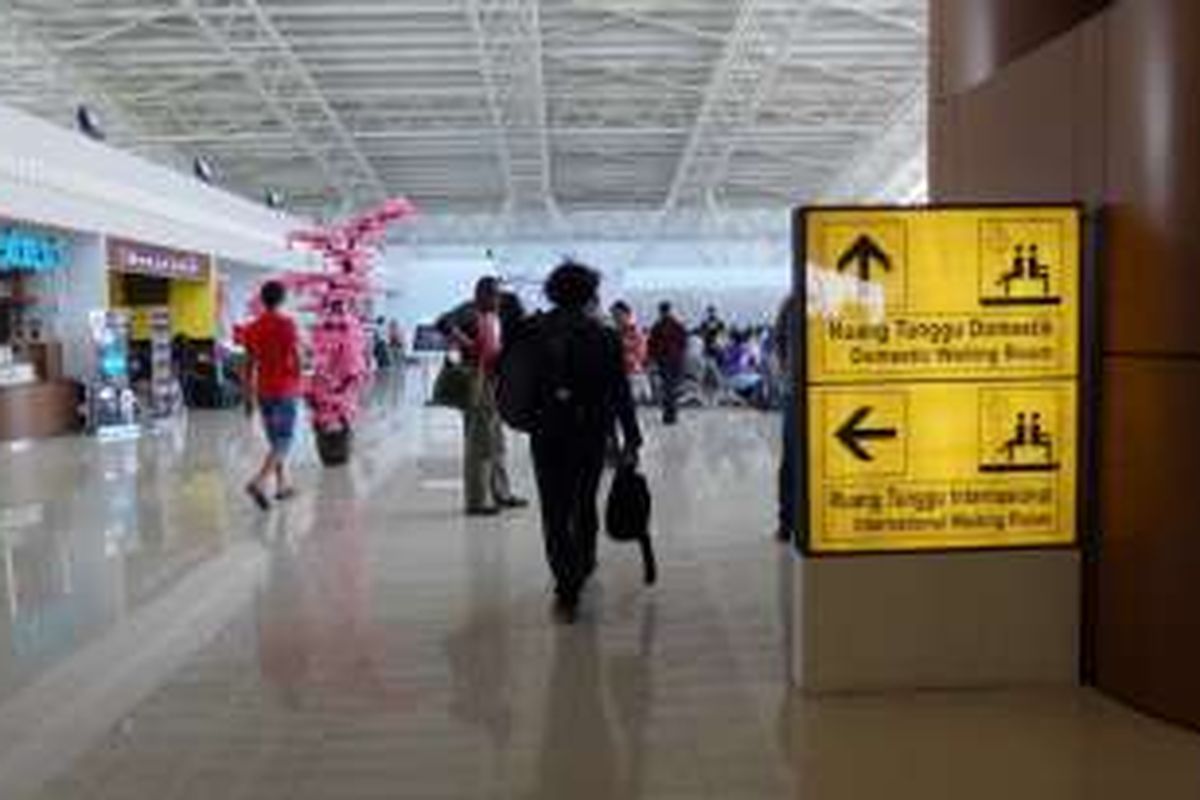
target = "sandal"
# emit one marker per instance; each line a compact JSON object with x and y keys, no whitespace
{"x":260,"y":499}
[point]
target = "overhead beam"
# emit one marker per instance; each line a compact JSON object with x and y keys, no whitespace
{"x":629,"y":227}
{"x":508,"y":39}
{"x":167,"y":91}
{"x":401,"y":77}
{"x":420,"y":134}
{"x":894,"y":148}
{"x":648,"y":21}
{"x":624,"y":73}
{"x":556,"y":34}
{"x":758,"y":47}
{"x":52,"y":78}
{"x":875,"y":15}
{"x":243,"y":33}
{"x":111,"y":32}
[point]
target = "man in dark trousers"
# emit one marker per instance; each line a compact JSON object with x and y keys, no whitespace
{"x":710,"y":330}
{"x":478,"y":329}
{"x":785,"y":323}
{"x":585,"y":393}
{"x":667,"y":349}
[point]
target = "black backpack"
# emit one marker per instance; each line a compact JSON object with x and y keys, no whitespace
{"x":545,"y":373}
{"x":520,"y":384}
{"x":627,"y":515}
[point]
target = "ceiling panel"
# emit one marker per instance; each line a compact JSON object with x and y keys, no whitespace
{"x":535,"y":108}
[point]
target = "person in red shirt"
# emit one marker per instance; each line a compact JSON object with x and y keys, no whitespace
{"x":633,"y":342}
{"x":272,"y":379}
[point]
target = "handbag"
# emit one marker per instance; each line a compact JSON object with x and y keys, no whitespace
{"x":456,"y":386}
{"x":627,"y":516}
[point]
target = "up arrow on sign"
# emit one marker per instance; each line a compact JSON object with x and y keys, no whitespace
{"x":863,"y":253}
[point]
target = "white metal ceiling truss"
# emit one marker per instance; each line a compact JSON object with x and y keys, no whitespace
{"x":37,"y":78}
{"x":245,"y":35}
{"x":508,"y":37}
{"x":611,"y":226}
{"x":531,"y":119}
{"x":889,"y":167}
{"x":753,"y":54}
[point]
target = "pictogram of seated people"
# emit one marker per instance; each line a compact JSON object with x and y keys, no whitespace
{"x":1027,"y":268}
{"x":1030,"y":443}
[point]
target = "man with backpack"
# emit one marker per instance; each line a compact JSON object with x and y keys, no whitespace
{"x":564,"y":382}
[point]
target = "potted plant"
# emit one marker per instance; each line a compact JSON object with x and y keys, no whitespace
{"x":340,"y":373}
{"x":338,"y":296}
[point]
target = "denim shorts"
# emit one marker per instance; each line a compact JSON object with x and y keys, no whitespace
{"x":279,"y":422}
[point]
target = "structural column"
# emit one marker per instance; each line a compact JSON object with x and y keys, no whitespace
{"x":1103,"y":109}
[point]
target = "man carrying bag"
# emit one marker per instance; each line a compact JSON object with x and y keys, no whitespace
{"x":563,"y":381}
{"x":477,"y":330}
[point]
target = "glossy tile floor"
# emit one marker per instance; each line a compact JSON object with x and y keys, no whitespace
{"x":163,"y":640}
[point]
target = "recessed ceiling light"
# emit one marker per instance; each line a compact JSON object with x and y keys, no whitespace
{"x":88,"y":122}
{"x":203,"y":169}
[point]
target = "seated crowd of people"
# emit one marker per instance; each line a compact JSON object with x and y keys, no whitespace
{"x":719,"y":363}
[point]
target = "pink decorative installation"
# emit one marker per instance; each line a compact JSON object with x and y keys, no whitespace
{"x":338,"y":297}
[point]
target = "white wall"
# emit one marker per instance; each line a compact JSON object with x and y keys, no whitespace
{"x":425,"y":289}
{"x":746,"y":280}
{"x":57,"y":178}
{"x":53,"y":176}
{"x":85,"y":290}
{"x":389,"y":303}
{"x":240,"y":283}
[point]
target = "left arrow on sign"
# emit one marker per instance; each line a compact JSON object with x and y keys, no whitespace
{"x":852,"y":436}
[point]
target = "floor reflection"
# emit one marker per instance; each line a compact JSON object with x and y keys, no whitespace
{"x":479,"y":652}
{"x":318,"y":642}
{"x":632,"y":692}
{"x":598,"y":705}
{"x":578,"y":756}
{"x":90,"y":531}
{"x":285,"y":630}
{"x":367,"y":641}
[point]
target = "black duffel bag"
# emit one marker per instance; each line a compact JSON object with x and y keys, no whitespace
{"x":627,"y":515}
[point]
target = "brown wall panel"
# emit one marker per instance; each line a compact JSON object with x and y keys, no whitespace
{"x":1153,"y":176}
{"x":1148,"y":616}
{"x":1121,"y":130}
{"x":1030,"y":134}
{"x":943,"y":146}
{"x":1017,"y":132}
{"x":1089,"y":99}
{"x":973,"y":39}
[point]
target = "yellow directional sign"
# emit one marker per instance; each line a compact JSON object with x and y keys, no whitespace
{"x":941,"y":377}
{"x":957,"y":293}
{"x":941,"y":465}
